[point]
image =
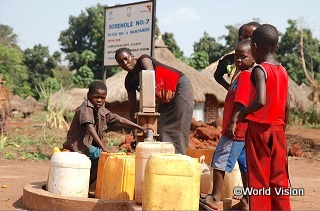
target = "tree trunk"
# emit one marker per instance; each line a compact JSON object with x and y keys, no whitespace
{"x":314,"y":84}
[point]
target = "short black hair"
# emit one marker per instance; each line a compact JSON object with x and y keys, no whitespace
{"x":241,"y":29}
{"x":245,"y":42}
{"x":121,"y":50}
{"x":240,"y":32}
{"x":96,"y":85}
{"x":253,"y":23}
{"x":266,"y":35}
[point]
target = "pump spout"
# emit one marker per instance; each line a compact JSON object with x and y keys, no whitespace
{"x":149,"y":135}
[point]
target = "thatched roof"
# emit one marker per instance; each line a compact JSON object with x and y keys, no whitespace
{"x":69,"y":100}
{"x":209,"y":71}
{"x":26,"y":106}
{"x":298,"y":94}
{"x":116,"y":90}
{"x":201,"y":84}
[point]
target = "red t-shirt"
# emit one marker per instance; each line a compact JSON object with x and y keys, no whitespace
{"x":237,"y":93}
{"x":273,"y":112}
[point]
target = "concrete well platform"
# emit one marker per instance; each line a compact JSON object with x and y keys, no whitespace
{"x":36,"y":198}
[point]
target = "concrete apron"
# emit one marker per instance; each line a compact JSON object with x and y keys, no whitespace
{"x":36,"y":198}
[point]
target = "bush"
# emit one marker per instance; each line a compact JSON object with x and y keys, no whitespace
{"x":310,"y":118}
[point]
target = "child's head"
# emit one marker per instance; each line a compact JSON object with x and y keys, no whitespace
{"x":97,"y":93}
{"x":264,"y":42}
{"x":125,"y":59}
{"x":249,"y":29}
{"x":240,"y":32}
{"x":243,"y":58}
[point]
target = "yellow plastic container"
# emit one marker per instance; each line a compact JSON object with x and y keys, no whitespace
{"x":118,"y":178}
{"x":143,"y":152}
{"x":102,"y":161}
{"x":171,"y":182}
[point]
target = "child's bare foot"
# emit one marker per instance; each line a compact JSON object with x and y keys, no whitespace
{"x":208,"y":202}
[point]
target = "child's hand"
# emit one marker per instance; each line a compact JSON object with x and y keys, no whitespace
{"x":230,"y":130}
{"x":145,"y":130}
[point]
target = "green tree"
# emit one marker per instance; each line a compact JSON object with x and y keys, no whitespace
{"x":84,"y":75}
{"x":168,"y":39}
{"x":40,"y":65}
{"x":199,"y":60}
{"x":208,"y":44}
{"x":231,"y":38}
{"x":12,"y":68}
{"x":85,"y":32}
{"x":289,"y":53}
{"x":64,"y":76}
{"x":7,"y":37}
{"x":299,"y":53}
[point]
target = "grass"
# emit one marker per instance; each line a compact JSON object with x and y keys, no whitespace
{"x":29,"y":141}
{"x":26,"y":139}
{"x":40,"y":116}
{"x":3,"y":139}
{"x":113,"y":143}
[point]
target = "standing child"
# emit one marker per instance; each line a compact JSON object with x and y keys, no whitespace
{"x":90,"y":122}
{"x":231,"y":146}
{"x":268,"y":114}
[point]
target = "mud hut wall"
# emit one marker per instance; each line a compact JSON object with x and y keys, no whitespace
{"x":120,"y":108}
{"x":211,"y":109}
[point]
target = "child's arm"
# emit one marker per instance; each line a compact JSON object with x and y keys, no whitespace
{"x":232,"y":125}
{"x":219,"y":73}
{"x":127,"y":122}
{"x":94,"y":135}
{"x":260,"y":100}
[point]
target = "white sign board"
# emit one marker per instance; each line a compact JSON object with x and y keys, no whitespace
{"x":128,"y":26}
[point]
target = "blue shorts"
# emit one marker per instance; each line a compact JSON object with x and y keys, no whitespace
{"x":94,"y":154}
{"x":227,"y":153}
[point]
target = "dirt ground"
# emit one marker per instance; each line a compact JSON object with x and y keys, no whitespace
{"x":304,"y":173}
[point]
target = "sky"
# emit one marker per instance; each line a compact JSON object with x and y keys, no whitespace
{"x":41,"y":21}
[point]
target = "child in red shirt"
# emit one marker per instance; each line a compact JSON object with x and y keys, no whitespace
{"x":231,"y":146}
{"x":268,"y":114}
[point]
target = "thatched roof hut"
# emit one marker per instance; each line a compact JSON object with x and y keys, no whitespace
{"x":68,"y":100}
{"x":298,"y":94}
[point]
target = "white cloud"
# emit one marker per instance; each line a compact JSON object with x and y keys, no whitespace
{"x":182,"y":14}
